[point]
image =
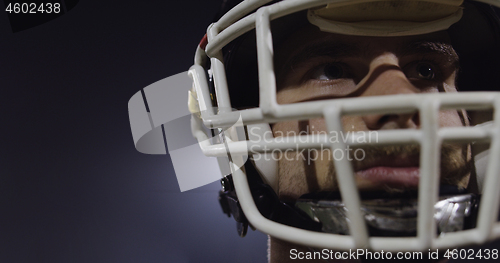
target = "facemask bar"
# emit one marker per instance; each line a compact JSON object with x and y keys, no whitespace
{"x":430,"y":137}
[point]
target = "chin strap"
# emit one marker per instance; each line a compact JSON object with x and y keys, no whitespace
{"x":231,"y":206}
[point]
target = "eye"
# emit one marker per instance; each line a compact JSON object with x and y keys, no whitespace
{"x":329,"y":72}
{"x":425,"y":70}
{"x":421,"y":71}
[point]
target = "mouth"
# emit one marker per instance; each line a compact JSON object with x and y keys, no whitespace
{"x":393,"y":177}
{"x":395,"y":173}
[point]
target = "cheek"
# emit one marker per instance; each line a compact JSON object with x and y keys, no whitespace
{"x":296,"y":128}
{"x":451,"y":118}
{"x":449,"y":83}
{"x":307,"y":170}
{"x":282,"y":128}
{"x":353,"y":123}
{"x":292,"y":182}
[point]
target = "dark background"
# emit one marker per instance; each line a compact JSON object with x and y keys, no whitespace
{"x":72,"y":186}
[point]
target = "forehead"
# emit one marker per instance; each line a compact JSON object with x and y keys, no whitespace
{"x":311,"y":38}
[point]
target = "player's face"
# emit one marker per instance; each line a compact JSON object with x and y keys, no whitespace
{"x":314,"y":65}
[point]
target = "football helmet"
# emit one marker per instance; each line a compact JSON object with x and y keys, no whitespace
{"x":233,"y":102}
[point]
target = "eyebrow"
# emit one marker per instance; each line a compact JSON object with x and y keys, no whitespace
{"x":432,"y":47}
{"x":321,"y":49}
{"x":343,"y":50}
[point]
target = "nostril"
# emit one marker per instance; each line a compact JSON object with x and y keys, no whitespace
{"x":384,"y":119}
{"x":392,"y":121}
{"x":376,"y":122}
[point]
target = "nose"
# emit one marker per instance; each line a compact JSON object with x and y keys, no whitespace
{"x":385,"y":77}
{"x":392,"y":121}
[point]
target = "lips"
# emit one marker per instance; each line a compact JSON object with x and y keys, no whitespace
{"x":405,"y":177}
{"x":396,"y":172}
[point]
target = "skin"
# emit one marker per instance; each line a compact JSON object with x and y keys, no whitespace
{"x":307,"y":68}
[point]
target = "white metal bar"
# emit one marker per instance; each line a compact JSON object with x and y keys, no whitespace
{"x":359,"y":139}
{"x":200,"y":56}
{"x":347,"y":183}
{"x":465,"y":134}
{"x":495,"y":233}
{"x":363,"y":105}
{"x":267,"y":80}
{"x":219,"y":73}
{"x":429,"y":172}
{"x":221,"y":90}
{"x":197,"y":73}
{"x":488,"y":208}
{"x":218,"y":40}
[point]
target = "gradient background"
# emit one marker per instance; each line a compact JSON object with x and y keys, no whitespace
{"x":72,"y":186}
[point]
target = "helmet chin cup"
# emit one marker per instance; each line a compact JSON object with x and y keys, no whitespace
{"x":266,"y":164}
